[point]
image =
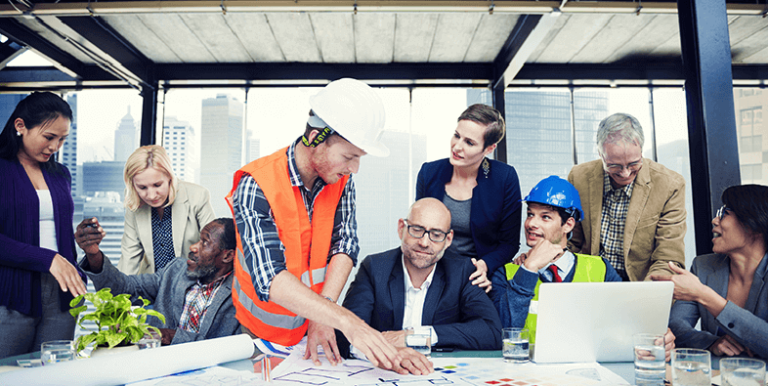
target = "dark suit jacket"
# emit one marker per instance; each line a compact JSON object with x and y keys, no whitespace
{"x":496,"y":210}
{"x":461,"y":314}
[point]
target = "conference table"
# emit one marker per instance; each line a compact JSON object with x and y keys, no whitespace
{"x":623,"y":369}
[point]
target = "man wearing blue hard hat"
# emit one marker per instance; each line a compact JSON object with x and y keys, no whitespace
{"x":553,"y":210}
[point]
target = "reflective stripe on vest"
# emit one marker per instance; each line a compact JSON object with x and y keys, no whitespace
{"x":588,"y":269}
{"x":306,"y":247}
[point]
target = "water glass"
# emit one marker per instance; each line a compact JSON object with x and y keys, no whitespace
{"x":419,"y":339}
{"x":650,"y":366}
{"x":515,"y":345}
{"x":691,"y":367}
{"x":150,"y":340}
{"x":742,"y":372}
{"x":56,"y":351}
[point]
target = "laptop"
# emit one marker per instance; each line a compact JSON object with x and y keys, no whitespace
{"x":594,"y":322}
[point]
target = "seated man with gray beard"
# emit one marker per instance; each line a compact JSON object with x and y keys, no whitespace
{"x":194,"y":294}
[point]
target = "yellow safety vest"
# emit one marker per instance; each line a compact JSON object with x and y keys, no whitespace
{"x":588,"y":269}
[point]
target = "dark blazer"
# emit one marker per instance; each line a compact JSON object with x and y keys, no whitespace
{"x":496,"y":209}
{"x":167,"y":290}
{"x":461,"y":313}
{"x":21,"y":257}
{"x":749,"y":325}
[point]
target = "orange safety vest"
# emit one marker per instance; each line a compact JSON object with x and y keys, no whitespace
{"x":306,"y":247}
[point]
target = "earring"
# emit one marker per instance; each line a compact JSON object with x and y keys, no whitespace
{"x":486,"y":167}
{"x":18,"y":134}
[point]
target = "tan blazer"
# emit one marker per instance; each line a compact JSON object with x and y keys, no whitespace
{"x":191,"y":212}
{"x":655,"y":227}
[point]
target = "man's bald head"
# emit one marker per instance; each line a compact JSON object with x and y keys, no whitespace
{"x":432,"y":208}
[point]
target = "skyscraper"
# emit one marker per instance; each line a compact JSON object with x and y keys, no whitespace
{"x":125,"y":137}
{"x":178,"y":141}
{"x":69,"y":150}
{"x":753,"y":154}
{"x":539,"y":139}
{"x":221,"y":138}
{"x":384,"y":186}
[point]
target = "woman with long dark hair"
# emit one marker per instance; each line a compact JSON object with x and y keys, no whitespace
{"x":727,"y":290}
{"x":38,"y":269}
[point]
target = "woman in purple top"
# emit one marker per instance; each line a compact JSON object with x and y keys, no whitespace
{"x":38,"y":271}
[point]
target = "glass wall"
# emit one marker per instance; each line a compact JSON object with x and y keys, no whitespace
{"x":750,"y":105}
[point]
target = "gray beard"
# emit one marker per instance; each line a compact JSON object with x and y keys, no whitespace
{"x":202,"y":273}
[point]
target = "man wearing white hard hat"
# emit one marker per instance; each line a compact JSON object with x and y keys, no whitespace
{"x":297,"y":232}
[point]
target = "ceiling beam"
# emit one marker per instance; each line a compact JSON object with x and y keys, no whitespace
{"x":86,"y":8}
{"x":8,"y":51}
{"x":528,"y":33}
{"x":323,"y":71}
{"x":106,"y":39}
{"x":618,"y":72}
{"x":62,"y":60}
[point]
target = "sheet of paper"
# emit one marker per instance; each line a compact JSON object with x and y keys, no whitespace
{"x":135,"y":366}
{"x":492,"y":371}
{"x":216,"y":375}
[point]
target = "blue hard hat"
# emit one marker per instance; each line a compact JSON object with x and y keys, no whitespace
{"x":557,"y":192}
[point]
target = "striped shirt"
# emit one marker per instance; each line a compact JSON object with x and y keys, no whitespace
{"x":263,"y":251}
{"x":614,"y":216}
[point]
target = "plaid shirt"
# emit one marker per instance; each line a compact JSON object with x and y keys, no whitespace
{"x":263,"y":251}
{"x":198,"y":298}
{"x":615,"y":207}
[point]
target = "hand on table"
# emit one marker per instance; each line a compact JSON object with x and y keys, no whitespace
{"x":89,"y":237}
{"x":319,"y":334}
{"x":67,"y":276}
{"x":372,"y":343}
{"x":728,"y":346}
{"x":412,"y":363}
{"x":669,"y":344}
{"x":167,"y":335}
{"x":480,"y":276}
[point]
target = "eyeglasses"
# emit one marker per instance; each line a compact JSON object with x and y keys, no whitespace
{"x":722,"y":212}
{"x":632,"y":167}
{"x":418,"y":232}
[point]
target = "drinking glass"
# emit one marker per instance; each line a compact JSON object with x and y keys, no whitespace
{"x":150,"y":340}
{"x":515,"y":345}
{"x":56,"y":351}
{"x":650,"y":366}
{"x":691,"y":367}
{"x":419,"y":339}
{"x":742,"y":372}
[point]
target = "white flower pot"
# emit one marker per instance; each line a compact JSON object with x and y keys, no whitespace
{"x":104,"y":351}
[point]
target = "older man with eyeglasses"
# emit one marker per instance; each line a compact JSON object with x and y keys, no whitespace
{"x":634,"y":208}
{"x":421,"y":285}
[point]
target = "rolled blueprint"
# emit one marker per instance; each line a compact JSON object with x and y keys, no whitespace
{"x":135,"y":366}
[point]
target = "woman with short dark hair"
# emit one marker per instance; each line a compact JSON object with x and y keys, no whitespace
{"x":728,"y":289}
{"x":38,"y":268}
{"x":483,"y":195}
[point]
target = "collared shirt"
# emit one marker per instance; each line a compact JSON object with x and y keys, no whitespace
{"x":414,"y":307}
{"x":162,"y":237}
{"x":614,"y":216}
{"x":263,"y":251}
{"x":196,"y":302}
{"x":564,"y":265}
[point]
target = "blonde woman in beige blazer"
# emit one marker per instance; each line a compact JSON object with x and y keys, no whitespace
{"x":152,"y":186}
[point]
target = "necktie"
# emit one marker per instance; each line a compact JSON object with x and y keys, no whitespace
{"x":557,"y":277}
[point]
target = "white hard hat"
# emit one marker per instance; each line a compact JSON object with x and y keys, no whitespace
{"x":354,"y":110}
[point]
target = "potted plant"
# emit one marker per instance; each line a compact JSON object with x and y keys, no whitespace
{"x":117,"y":320}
